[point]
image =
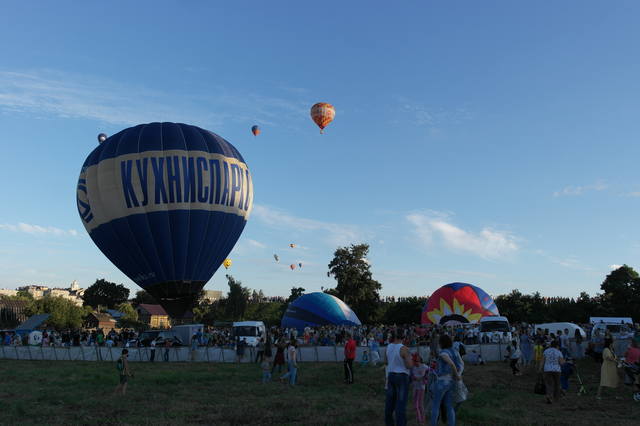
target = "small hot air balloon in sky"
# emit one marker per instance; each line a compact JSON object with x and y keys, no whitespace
{"x":276,"y":257}
{"x":292,"y":245}
{"x":299,"y":265}
{"x":292,"y":266}
{"x":165,"y":203}
{"x":322,"y":114}
{"x":102,"y":137}
{"x":255,"y":130}
{"x":227,"y":263}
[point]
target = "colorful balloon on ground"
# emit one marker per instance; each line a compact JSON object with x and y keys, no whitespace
{"x":255,"y":130}
{"x":166,"y":203}
{"x":458,"y":302}
{"x":292,"y":266}
{"x":322,"y":114}
{"x":318,"y":309}
{"x":227,"y":263}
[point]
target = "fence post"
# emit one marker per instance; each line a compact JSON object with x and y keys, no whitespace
{"x":17,"y":354}
{"x":317,"y":356}
{"x":29,"y":350}
{"x":335,"y":353}
{"x":55,"y":352}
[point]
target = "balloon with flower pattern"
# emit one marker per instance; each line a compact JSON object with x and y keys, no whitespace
{"x":458,"y":302}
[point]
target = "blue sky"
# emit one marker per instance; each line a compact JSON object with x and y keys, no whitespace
{"x":488,"y":142}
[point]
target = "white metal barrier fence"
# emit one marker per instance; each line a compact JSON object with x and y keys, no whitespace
{"x":489,"y":352}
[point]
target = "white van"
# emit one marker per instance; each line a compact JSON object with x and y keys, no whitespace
{"x":495,"y":329}
{"x":250,"y":331}
{"x":554,"y":327}
{"x":619,"y":327}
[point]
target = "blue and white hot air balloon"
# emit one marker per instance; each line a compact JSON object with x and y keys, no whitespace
{"x":166,"y":203}
{"x":317,"y":309}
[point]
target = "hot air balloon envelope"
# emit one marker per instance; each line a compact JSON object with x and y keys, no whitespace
{"x":227,"y":263}
{"x":292,"y":266}
{"x":318,"y":309}
{"x":322,"y":114}
{"x":255,"y":130}
{"x":166,"y":203}
{"x":461,"y":302}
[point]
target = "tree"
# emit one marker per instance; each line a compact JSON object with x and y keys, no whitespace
{"x":622,"y":291}
{"x":105,"y":293}
{"x":142,"y":296}
{"x":64,"y":313}
{"x":356,"y":286}
{"x":404,"y":311}
{"x":295,"y":293}
{"x":128,"y":311}
{"x":237,"y":300}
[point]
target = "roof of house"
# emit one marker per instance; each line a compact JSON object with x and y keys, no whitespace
{"x":13,"y":304}
{"x":102,"y":317}
{"x":33,"y":322}
{"x":115,"y":314}
{"x":153,"y":309}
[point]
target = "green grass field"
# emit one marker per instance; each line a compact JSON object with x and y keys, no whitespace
{"x":44,"y":392}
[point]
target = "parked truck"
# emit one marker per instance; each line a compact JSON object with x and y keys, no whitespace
{"x":186,"y":332}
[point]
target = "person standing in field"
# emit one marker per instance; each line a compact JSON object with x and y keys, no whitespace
{"x":279,"y":359}
{"x":418,"y":378}
{"x":608,"y":370}
{"x":167,"y":346}
{"x":265,"y":365}
{"x":397,"y":384}
{"x":123,"y":369}
{"x":349,"y":356}
{"x":152,"y":345}
{"x":552,"y":361}
{"x":448,"y":368}
{"x":292,"y":372}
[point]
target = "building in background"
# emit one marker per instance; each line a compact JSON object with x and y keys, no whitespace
{"x":73,"y":293}
{"x":12,"y":312}
{"x":100,"y":320}
{"x":211,"y":296}
{"x":8,"y":292}
{"x":153,"y":315}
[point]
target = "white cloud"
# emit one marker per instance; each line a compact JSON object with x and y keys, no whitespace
{"x":633,"y":194}
{"x":488,"y":243}
{"x":256,"y":244}
{"x":614,"y":267}
{"x":333,"y":233}
{"x":580,"y":190}
{"x":50,"y":92}
{"x":38,"y":230}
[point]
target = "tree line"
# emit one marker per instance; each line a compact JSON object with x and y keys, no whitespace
{"x":356,"y":286}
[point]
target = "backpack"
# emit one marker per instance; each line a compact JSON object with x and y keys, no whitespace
{"x":120,"y":365}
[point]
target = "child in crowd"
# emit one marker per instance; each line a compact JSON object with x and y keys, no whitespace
{"x":566,"y":371}
{"x":418,"y":377}
{"x":365,"y":358}
{"x":265,"y":365}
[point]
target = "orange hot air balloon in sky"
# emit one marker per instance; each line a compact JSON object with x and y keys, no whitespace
{"x":255,"y":130}
{"x":322,"y":114}
{"x":292,"y":266}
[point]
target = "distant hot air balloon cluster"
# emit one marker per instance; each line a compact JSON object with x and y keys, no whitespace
{"x":166,"y":203}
